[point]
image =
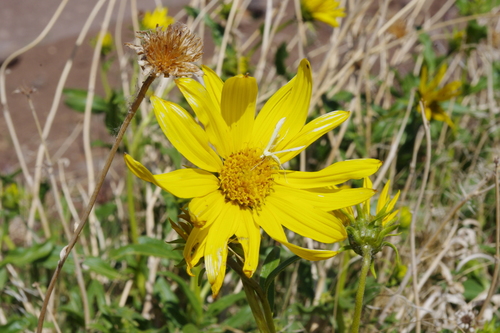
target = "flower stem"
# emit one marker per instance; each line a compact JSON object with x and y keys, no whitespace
{"x":257,"y":300}
{"x":253,"y":301}
{"x":134,"y":233}
{"x":83,"y":220}
{"x":367,"y":260}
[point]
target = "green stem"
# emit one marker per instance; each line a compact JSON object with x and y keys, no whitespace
{"x":367,"y":260}
{"x":257,"y":299}
{"x":253,"y":301}
{"x":105,"y":82}
{"x":134,"y":233}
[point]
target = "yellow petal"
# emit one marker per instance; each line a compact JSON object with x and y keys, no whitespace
{"x":308,"y":254}
{"x":194,"y":248}
{"x":392,"y":203}
{"x":437,"y":79}
{"x":205,"y":210}
{"x":290,"y":102}
{"x":183,"y":183}
{"x":310,"y":133}
{"x":327,"y":199}
{"x":384,"y":197}
{"x":239,"y":95}
{"x":389,"y":217}
{"x":248,"y":234}
{"x":208,"y":113}
{"x":329,"y":18}
{"x":440,"y":115}
{"x":334,"y":174}
{"x":450,"y":90}
{"x":186,"y":135}
{"x":423,"y":81}
{"x":216,"y":248}
{"x":213,"y":83}
{"x":268,"y":221}
{"x":302,"y":218}
{"x":367,"y":183}
{"x":219,"y":279}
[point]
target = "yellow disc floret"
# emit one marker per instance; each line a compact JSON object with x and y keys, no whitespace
{"x":246,"y":177}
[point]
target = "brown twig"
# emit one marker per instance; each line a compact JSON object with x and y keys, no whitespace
{"x":67,"y":249}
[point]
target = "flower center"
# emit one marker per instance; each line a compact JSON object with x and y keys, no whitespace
{"x":246,"y":178}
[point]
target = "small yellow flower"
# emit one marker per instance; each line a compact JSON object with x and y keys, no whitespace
{"x":238,"y":185}
{"x":431,"y":95}
{"x":156,"y":18}
{"x":169,"y":52}
{"x":107,"y":43}
{"x":326,"y":11}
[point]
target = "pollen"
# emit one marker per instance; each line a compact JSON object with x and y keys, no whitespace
{"x":247,"y":178}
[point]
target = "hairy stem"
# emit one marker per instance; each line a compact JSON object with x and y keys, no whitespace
{"x":367,"y":260}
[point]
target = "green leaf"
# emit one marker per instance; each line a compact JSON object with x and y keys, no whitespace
{"x":15,"y":325}
{"x":162,"y":288}
{"x":147,"y":247}
{"x":280,"y":58}
{"x":472,"y":288}
{"x":241,"y":318}
{"x":429,"y":54}
{"x":223,"y":303}
{"x":190,"y":328}
{"x":23,"y":256}
{"x":77,"y":98}
{"x":52,"y":261}
{"x":475,"y":32}
{"x":270,"y":263}
{"x":101,"y":267}
{"x":193,"y":299}
{"x":3,"y":278}
{"x":278,"y":270}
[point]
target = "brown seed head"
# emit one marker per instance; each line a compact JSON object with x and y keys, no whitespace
{"x":169,"y":52}
{"x":398,"y":28}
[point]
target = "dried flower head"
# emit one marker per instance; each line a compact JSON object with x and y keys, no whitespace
{"x":398,"y":28}
{"x":465,"y":320}
{"x":169,"y":52}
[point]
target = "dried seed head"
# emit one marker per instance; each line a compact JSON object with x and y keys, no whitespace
{"x":169,"y":52}
{"x":398,"y":28}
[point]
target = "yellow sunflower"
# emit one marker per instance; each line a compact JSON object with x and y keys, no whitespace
{"x":326,"y":11}
{"x":239,"y":185}
{"x":431,"y":95}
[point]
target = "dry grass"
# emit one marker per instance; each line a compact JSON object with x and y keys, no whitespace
{"x":370,"y":66}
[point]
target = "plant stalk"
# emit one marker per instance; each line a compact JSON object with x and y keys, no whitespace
{"x":257,"y":299}
{"x":367,"y":260}
{"x":83,"y":220}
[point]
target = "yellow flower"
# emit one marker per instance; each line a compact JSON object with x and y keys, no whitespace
{"x":107,"y":43}
{"x":326,"y":11}
{"x":239,"y":185}
{"x":158,"y":17}
{"x":169,"y":52}
{"x":431,"y":95}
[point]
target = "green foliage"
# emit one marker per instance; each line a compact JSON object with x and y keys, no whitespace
{"x":473,"y":7}
{"x":113,"y":107}
{"x":279,"y":61}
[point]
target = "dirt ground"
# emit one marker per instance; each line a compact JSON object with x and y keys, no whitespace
{"x":21,"y":21}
